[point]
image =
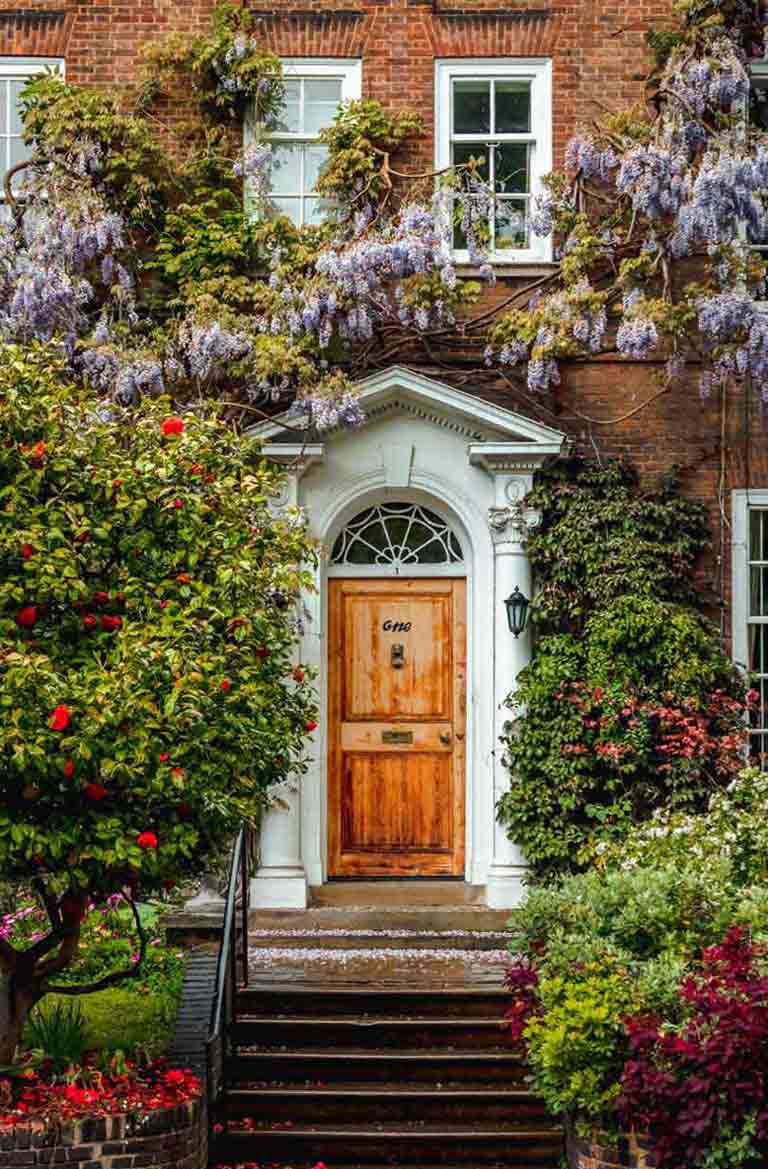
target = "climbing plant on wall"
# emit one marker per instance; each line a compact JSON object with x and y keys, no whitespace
{"x":129,"y":243}
{"x":629,"y":703}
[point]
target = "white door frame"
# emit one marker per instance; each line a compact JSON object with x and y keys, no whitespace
{"x":471,"y":462}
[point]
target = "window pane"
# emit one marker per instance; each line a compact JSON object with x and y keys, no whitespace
{"x":464,"y":151}
{"x":757,"y":592}
{"x":511,"y":224}
{"x":286,"y":170}
{"x":16,"y":124}
{"x":318,"y":114}
{"x":755,"y":534}
{"x":289,"y":119}
{"x":314,"y":158}
{"x":19,"y":151}
{"x":316,"y":210}
{"x":758,"y":105}
{"x":471,"y":107}
{"x":3,"y":106}
{"x":322,"y":89}
{"x":511,"y":168}
{"x":289,"y":207}
{"x":513,"y":107}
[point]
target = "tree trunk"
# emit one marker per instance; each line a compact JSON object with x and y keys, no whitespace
{"x":15,"y":1005}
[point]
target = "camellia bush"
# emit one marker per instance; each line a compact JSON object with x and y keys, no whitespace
{"x":148,"y":690}
{"x":629,"y":703}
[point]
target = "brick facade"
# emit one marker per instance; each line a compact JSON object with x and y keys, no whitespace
{"x":171,"y":1138}
{"x":603,"y":1152}
{"x":599,"y":60}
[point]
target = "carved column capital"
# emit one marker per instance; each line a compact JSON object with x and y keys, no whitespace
{"x":512,"y":522}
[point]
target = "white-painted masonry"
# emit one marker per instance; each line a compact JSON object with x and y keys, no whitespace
{"x":472,"y":462}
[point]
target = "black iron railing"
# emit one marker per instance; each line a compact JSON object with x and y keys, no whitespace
{"x":233,"y":951}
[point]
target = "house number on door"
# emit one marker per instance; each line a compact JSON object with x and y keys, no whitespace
{"x":391,"y":626}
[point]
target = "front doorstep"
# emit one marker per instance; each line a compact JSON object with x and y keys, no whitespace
{"x":283,"y":887}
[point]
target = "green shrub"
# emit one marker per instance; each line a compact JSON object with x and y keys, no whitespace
{"x":56,"y":1033}
{"x":629,"y":704}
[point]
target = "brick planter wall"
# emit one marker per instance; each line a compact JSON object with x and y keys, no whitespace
{"x":169,"y":1138}
{"x":602,"y":1152}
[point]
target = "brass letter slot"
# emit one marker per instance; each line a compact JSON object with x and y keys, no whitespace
{"x":397,"y":736}
{"x":398,"y":656}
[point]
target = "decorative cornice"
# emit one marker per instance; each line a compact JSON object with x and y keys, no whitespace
{"x":512,"y":458}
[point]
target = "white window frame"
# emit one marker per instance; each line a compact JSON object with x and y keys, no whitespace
{"x":537,"y":70}
{"x":743,"y":500}
{"x":756,"y":68}
{"x":20,"y":69}
{"x":347,"y":69}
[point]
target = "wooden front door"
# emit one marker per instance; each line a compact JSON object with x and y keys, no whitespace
{"x":397,"y":717}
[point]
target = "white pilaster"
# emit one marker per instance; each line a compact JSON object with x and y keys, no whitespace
{"x":280,"y":881}
{"x":510,"y":522}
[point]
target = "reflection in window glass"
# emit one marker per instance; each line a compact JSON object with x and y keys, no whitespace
{"x":491,"y":120}
{"x":311,"y":104}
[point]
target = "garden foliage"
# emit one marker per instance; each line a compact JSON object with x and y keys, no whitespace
{"x":629,"y":704}
{"x":641,"y":990}
{"x":148,"y":625}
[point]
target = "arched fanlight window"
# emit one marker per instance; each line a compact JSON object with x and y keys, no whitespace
{"x":397,"y":535}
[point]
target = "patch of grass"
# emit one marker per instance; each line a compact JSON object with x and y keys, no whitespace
{"x":124,"y":1017}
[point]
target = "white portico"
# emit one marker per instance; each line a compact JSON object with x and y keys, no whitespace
{"x":427,"y":494}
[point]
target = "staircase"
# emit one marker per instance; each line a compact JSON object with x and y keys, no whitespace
{"x":378,"y":1042}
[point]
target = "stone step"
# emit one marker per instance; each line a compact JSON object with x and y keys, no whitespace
{"x":353,"y":893}
{"x":365,"y":1105}
{"x":289,"y":1000}
{"x":353,"y":1146}
{"x":375,"y":918}
{"x":395,"y":939}
{"x":371,"y":1032}
{"x":359,"y":1066}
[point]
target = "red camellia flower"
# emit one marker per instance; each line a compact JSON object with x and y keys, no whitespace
{"x":100,"y":598}
{"x":310,"y":726}
{"x":69,"y":767}
{"x":298,"y":675}
{"x":164,"y":757}
{"x":27,"y":550}
{"x":173,"y":425}
{"x":146,"y":840}
{"x":59,"y":720}
{"x":163,"y":604}
{"x":177,"y":772}
{"x":89,"y":621}
{"x":111,"y":623}
{"x":95,"y":791}
{"x":177,"y":503}
{"x":184,"y":578}
{"x":262,"y":651}
{"x":225,"y":685}
{"x":27,"y":616}
{"x":117,"y":483}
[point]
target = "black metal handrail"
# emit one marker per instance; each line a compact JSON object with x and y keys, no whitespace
{"x":225,"y":987}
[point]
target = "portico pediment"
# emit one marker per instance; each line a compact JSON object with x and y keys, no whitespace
{"x":496,"y":438}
